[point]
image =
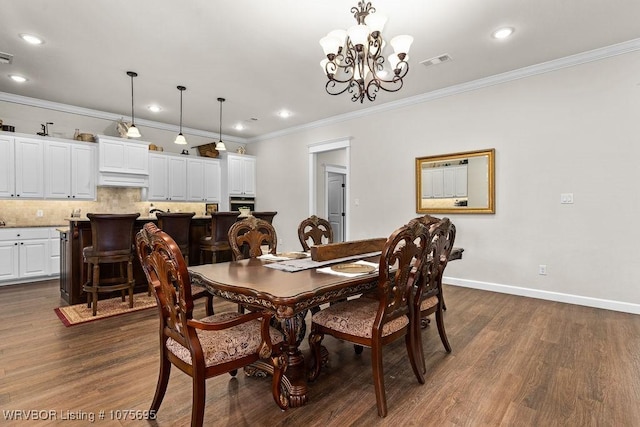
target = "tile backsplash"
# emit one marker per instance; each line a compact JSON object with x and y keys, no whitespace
{"x":24,"y":213}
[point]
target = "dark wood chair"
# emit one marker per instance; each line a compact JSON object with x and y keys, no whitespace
{"x":207,"y":347}
{"x":376,"y":322}
{"x":314,"y":230}
{"x":111,"y":243}
{"x":429,"y":301}
{"x":253,"y":233}
{"x":178,"y":225}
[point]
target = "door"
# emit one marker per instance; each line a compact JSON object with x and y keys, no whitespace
{"x":335,"y":204}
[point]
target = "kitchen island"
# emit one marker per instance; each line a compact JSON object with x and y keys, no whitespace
{"x":78,"y":236}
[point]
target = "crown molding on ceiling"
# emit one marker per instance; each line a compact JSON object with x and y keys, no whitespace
{"x":533,"y":70}
{"x":97,"y":114}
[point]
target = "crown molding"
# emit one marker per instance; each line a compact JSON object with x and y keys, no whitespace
{"x":521,"y":73}
{"x":97,"y":114}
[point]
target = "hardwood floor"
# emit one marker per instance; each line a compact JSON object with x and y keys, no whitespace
{"x":515,"y":361}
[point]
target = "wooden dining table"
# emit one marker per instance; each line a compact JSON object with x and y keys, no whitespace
{"x":288,"y":295}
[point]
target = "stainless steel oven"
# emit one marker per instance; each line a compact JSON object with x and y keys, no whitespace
{"x":235,"y":203}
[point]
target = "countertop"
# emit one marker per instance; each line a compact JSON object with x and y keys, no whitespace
{"x":140,"y":218}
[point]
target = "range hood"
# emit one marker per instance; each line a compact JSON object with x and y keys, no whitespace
{"x":122,"y":162}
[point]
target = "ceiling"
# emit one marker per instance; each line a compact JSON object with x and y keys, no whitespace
{"x":263,"y":56}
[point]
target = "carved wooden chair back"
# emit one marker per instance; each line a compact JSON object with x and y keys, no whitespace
{"x":316,"y":231}
{"x":375,"y":322}
{"x":429,"y":287}
{"x":254,"y":233}
{"x":201,"y":348}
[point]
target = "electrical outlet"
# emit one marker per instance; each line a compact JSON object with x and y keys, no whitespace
{"x":39,"y":213}
{"x":542,"y":270}
{"x":566,"y":198}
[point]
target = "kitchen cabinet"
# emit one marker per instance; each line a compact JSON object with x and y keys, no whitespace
{"x":122,"y":162}
{"x":203,"y":180}
{"x":444,"y":182}
{"x":70,"y":170}
{"x":167,"y":177}
{"x":241,"y":175}
{"x":25,"y":254}
{"x":22,"y":167}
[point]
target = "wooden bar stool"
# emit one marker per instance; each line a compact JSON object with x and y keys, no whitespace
{"x":178,"y":226}
{"x":112,"y":243}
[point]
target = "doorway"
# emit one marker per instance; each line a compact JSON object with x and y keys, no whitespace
{"x":316,"y":183}
{"x":335,"y":185}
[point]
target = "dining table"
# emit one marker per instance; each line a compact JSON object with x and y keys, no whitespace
{"x":288,"y":291}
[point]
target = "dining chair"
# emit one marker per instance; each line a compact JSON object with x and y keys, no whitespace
{"x":376,"y":322}
{"x":429,"y":285}
{"x":247,"y":237}
{"x":207,"y":347}
{"x":178,"y":226}
{"x":314,"y":230}
{"x":430,"y":221}
{"x":111,"y":246}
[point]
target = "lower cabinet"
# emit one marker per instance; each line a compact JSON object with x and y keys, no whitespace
{"x":26,"y":254}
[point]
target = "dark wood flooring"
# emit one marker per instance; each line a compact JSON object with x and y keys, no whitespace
{"x":515,"y":362}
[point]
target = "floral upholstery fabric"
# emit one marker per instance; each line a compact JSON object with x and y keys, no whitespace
{"x":428,"y":303}
{"x":356,"y":317}
{"x":228,"y":344}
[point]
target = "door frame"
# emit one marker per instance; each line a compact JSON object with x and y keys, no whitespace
{"x":321,"y":147}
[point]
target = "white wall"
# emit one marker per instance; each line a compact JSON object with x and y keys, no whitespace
{"x":573,"y":130}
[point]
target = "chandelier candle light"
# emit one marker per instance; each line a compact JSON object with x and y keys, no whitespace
{"x":133,"y":131}
{"x":354,"y":58}
{"x":180,"y":139}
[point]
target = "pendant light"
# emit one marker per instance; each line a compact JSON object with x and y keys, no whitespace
{"x":133,"y":131}
{"x":180,"y":138}
{"x":220,"y":145}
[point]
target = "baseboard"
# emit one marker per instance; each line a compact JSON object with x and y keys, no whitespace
{"x":624,"y":307}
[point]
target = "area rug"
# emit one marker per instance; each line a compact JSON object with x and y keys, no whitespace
{"x":80,"y":313}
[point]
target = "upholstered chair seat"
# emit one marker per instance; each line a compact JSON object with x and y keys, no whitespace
{"x":429,"y":303}
{"x":356,"y":318}
{"x":226,"y":345}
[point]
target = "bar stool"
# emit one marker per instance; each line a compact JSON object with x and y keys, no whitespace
{"x":178,"y":226}
{"x":218,"y":241}
{"x":112,"y":243}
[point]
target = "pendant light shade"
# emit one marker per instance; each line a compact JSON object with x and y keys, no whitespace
{"x":180,"y":139}
{"x":220,"y":145}
{"x":133,"y":131}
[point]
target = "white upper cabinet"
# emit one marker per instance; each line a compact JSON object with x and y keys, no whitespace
{"x":69,"y":170}
{"x":29,"y":162}
{"x":203,"y":180}
{"x":167,"y":177}
{"x":7,"y":167}
{"x":241,"y":177}
{"x":123,"y":156}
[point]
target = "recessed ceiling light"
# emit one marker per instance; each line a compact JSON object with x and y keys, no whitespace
{"x":154,"y":108}
{"x":238,"y":126}
{"x":502,"y":33}
{"x":31,"y":39}
{"x":17,"y":78}
{"x":284,"y":114}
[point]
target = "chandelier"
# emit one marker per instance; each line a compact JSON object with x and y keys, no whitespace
{"x":355,"y":60}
